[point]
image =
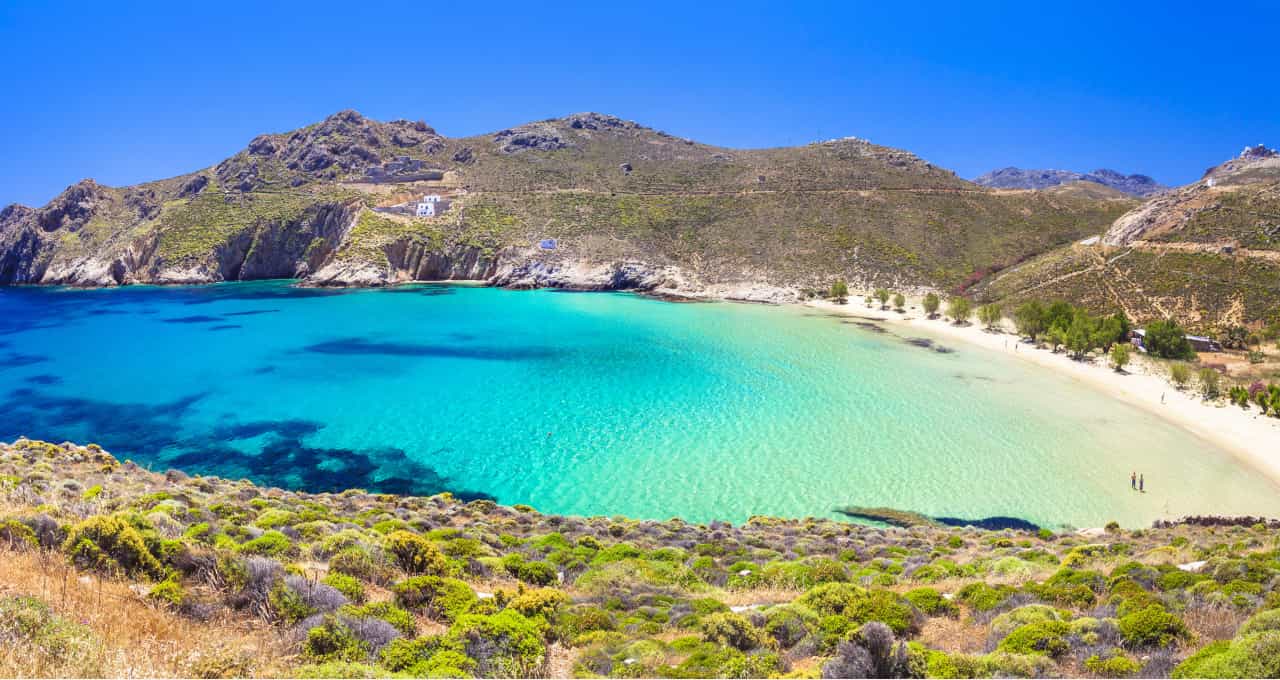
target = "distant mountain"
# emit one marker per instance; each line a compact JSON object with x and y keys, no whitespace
{"x":1018,"y":178}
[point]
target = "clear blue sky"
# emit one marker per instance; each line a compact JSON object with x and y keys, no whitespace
{"x":127,"y":92}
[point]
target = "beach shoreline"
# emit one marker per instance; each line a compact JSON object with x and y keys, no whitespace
{"x":1244,"y":435}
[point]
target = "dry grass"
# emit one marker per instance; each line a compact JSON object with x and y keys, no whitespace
{"x":132,"y":637}
{"x":1211,"y":623}
{"x":961,"y":635}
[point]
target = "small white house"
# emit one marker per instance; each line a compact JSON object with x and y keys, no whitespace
{"x":427,"y":207}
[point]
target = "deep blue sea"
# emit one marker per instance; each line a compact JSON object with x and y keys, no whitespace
{"x":586,"y":403}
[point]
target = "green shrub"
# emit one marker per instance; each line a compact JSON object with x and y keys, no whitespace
{"x":929,"y":601}
{"x":940,"y":664}
{"x":860,"y":606}
{"x":983,"y":597}
{"x":831,"y":598}
{"x":1152,"y":627}
{"x":537,"y":573}
{"x":1045,"y":637}
{"x":110,"y":544}
{"x":288,"y":604}
{"x":349,"y":586}
{"x":542,"y":602}
{"x":438,"y":598}
{"x":1251,"y":656}
{"x":1263,"y":621}
{"x":505,"y":644}
{"x":1005,"y":623}
{"x":1007,"y":665}
{"x":576,"y":621}
{"x":275,"y":518}
{"x":167,"y":592}
{"x":401,"y":654}
{"x":1118,"y":666}
{"x":728,"y":628}
{"x":400,"y":619}
{"x":335,"y":670}
{"x":333,"y":641}
{"x":15,"y":535}
{"x":415,"y":554}
{"x":361,"y":564}
{"x":788,"y":624}
{"x":269,"y":544}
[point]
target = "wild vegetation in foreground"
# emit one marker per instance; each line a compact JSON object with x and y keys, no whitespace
{"x":109,"y":569}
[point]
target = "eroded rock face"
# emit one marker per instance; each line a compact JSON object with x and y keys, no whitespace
{"x":1258,"y":152}
{"x":532,"y":137}
{"x":343,"y":144}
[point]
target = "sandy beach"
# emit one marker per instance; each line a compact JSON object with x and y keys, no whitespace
{"x":1252,"y":438}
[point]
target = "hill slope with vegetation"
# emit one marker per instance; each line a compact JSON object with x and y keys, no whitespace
{"x":1206,"y":255}
{"x":629,"y":206}
{"x":109,"y":569}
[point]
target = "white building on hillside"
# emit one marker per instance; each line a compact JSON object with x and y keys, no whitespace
{"x":430,"y":206}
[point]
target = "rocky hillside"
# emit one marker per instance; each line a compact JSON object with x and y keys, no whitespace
{"x":1207,"y":254}
{"x":1018,"y":178}
{"x":109,"y":569}
{"x":628,"y":206}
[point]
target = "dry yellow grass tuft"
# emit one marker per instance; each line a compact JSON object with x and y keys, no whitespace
{"x":129,"y":636}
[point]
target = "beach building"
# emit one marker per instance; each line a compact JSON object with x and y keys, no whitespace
{"x":1199,"y":343}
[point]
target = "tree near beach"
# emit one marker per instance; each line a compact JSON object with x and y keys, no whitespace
{"x":1167,"y":340}
{"x":1180,"y":374}
{"x":1029,"y":318}
{"x":960,"y":309}
{"x":990,"y":315}
{"x":930,"y":304}
{"x":1119,"y":356}
{"x":1209,"y":384}
{"x":840,"y":291}
{"x":882,"y":295}
{"x":899,"y":301}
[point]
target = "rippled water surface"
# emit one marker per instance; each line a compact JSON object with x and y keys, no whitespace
{"x":587,"y":404}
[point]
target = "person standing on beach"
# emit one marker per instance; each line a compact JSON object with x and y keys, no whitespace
{"x":1133,"y":480}
{"x":1142,"y":482}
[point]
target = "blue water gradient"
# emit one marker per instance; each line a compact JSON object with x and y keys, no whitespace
{"x":587,"y":403}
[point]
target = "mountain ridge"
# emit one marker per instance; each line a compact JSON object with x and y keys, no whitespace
{"x":1020,"y":178}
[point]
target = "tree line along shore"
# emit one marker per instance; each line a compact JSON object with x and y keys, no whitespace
{"x":1246,"y":373}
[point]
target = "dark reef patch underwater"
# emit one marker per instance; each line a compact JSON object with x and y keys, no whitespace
{"x":276,"y":454}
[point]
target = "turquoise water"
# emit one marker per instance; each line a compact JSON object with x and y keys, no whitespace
{"x":587,"y":404}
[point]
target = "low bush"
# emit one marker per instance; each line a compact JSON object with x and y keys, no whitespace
{"x":1151,"y":627}
{"x":506,"y":644}
{"x":110,"y":544}
{"x":438,"y":598}
{"x":415,"y":554}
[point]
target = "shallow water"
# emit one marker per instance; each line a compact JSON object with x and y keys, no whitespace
{"x":588,"y":403}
